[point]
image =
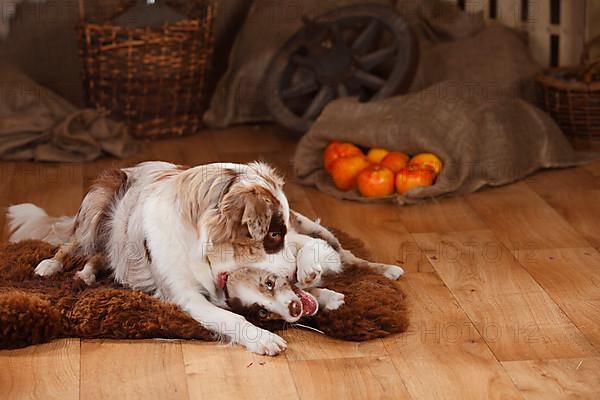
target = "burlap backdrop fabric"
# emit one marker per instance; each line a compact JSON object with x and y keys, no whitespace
{"x":240,"y":94}
{"x":454,"y":46}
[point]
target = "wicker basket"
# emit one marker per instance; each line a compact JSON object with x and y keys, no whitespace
{"x":572,"y":96}
{"x":153,"y":79}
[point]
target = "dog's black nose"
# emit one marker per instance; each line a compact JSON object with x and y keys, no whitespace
{"x":295,"y":308}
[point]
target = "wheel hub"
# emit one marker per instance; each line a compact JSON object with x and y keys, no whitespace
{"x":332,"y":61}
{"x":361,"y":51}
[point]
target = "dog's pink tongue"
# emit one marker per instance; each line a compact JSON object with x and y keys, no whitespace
{"x":222,"y":279}
{"x":309,"y":304}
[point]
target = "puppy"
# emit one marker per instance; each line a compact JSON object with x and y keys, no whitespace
{"x":310,"y":250}
{"x":276,"y":299}
{"x":296,"y":264}
{"x":152,"y":225}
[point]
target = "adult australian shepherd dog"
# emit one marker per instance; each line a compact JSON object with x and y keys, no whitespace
{"x":156,"y":226}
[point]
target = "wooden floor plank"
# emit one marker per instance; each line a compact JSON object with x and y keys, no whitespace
{"x":446,"y":215}
{"x":306,"y":345}
{"x":132,"y":370}
{"x":199,"y":149}
{"x":514,"y":315}
{"x":576,"y":378}
{"x":461,"y":371}
{"x":226,"y":372}
{"x":378,"y":225}
{"x":299,"y":199}
{"x":575,"y":194}
{"x":564,"y":180}
{"x":581,"y":208}
{"x":520,"y":218}
{"x":58,"y":188}
{"x":258,"y":138}
{"x":436,"y":317}
{"x":593,"y":167}
{"x":571,"y":278}
{"x":348,"y":378}
{"x":442,"y":355}
{"x":549,"y":222}
{"x":48,"y":371}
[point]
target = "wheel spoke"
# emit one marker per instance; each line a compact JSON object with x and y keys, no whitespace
{"x":366,"y":37}
{"x":324,"y":96}
{"x":368,"y":80}
{"x":300,"y":89}
{"x":371,"y":60}
{"x":302,"y":61}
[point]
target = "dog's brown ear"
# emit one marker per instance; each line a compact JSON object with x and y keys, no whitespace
{"x":258,"y":210}
{"x":245,"y":212}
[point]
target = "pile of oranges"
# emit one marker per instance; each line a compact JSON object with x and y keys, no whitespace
{"x":380,"y":171}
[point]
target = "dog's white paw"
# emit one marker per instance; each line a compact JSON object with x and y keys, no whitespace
{"x":330,"y":300}
{"x":48,"y":267}
{"x":393,"y":272}
{"x":261,"y":341}
{"x":309,"y":273}
{"x":87,"y":275}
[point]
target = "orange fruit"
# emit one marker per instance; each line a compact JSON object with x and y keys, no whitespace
{"x":427,"y":160}
{"x":376,"y":154}
{"x":412,"y":177}
{"x":375,"y":181}
{"x":335,"y":150}
{"x":345,"y":170}
{"x":395,"y":161}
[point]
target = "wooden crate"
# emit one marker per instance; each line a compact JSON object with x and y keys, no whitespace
{"x":555,"y":29}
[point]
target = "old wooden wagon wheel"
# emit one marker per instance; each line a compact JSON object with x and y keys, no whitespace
{"x":364,"y":51}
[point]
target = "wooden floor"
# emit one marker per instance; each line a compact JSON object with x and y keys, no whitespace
{"x":504,"y":288}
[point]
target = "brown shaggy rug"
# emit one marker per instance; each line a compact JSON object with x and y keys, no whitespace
{"x":35,"y":309}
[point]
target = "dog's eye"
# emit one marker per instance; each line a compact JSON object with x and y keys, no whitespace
{"x":275,"y":235}
{"x":269,"y":284}
{"x":262,"y":313}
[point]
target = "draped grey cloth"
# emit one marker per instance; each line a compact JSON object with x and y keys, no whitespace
{"x":36,"y":124}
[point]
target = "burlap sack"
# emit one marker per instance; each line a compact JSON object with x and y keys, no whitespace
{"x":482,"y":140}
